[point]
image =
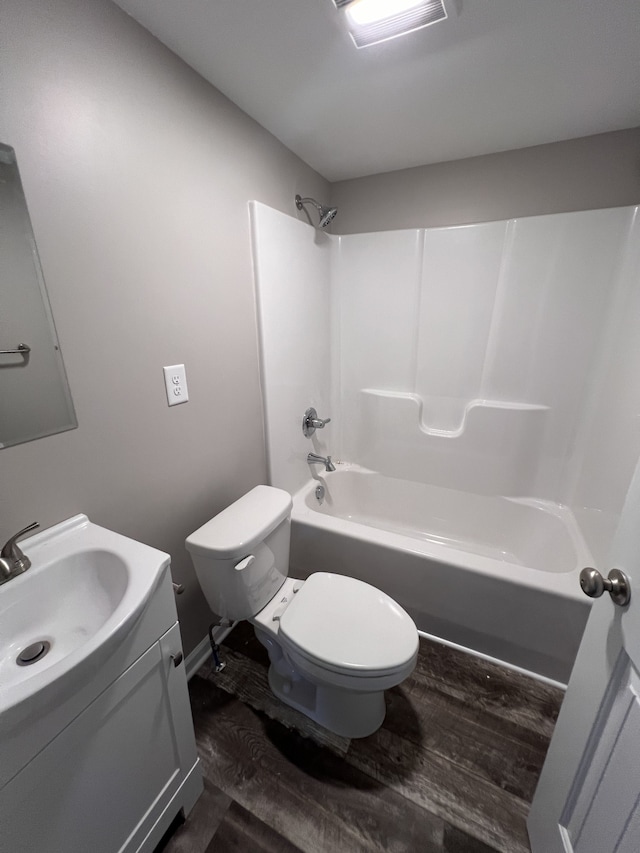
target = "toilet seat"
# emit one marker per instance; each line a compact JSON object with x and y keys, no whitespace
{"x":344,"y":626}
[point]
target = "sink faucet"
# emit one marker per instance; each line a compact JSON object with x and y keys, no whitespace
{"x":12,"y":561}
{"x":312,"y":458}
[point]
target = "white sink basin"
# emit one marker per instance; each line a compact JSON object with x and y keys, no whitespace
{"x":85,"y":590}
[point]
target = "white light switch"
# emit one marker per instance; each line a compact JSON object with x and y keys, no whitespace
{"x":175,"y":380}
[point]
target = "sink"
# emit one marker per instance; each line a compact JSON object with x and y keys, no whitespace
{"x":96,"y":736}
{"x":85,"y":590}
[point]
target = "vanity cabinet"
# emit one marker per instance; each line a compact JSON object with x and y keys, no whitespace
{"x":114,"y":778}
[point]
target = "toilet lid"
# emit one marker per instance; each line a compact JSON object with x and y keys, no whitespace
{"x":348,"y":625}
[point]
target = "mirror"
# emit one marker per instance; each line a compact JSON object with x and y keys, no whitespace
{"x":35,"y":399}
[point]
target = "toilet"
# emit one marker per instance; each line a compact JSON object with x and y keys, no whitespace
{"x":335,"y":643}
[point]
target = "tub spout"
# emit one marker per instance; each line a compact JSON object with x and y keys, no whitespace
{"x":313,"y":458}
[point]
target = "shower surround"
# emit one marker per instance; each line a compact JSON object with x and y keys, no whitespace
{"x":485,"y":363}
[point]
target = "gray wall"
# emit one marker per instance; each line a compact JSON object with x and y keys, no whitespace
{"x":581,"y":174}
{"x":137,"y":175}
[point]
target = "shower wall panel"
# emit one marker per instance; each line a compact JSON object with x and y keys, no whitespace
{"x":608,"y":442}
{"x":460,"y":275}
{"x":555,"y":296}
{"x":505,"y":323}
{"x":377,"y":285}
{"x":376,"y":293}
{"x":500,"y":358}
{"x":291,"y":267}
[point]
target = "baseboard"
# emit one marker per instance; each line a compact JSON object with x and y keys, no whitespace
{"x":202,"y":652}
{"x":543,"y":678}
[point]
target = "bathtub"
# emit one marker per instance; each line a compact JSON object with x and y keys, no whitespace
{"x":495,"y":575}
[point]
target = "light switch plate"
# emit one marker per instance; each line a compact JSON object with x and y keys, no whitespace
{"x":175,"y":381}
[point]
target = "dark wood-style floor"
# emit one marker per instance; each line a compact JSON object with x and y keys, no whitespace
{"x":452,"y":770}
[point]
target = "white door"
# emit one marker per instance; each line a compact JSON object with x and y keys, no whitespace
{"x":588,"y":796}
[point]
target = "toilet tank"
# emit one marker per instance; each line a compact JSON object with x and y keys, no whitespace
{"x":241,"y":556}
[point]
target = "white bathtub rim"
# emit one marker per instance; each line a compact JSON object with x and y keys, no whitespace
{"x":564,"y":584}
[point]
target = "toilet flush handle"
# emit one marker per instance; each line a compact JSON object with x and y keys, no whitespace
{"x":245,"y":563}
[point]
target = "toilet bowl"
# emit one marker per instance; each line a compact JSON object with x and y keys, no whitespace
{"x":335,"y":643}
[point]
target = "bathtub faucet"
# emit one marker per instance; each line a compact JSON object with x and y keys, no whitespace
{"x":312,"y":458}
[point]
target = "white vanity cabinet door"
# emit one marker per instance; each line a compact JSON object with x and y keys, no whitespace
{"x":177,"y":693}
{"x":102,"y":783}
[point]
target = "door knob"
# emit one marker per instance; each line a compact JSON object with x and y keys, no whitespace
{"x":616,"y":584}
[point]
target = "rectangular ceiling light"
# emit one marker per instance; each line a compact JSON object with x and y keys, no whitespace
{"x":373,"y":21}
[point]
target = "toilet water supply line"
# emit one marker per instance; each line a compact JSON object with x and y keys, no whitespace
{"x":215,"y":648}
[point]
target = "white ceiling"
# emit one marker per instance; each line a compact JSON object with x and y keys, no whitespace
{"x":498,"y":74}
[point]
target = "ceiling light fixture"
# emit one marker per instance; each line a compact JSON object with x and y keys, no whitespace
{"x":373,"y":21}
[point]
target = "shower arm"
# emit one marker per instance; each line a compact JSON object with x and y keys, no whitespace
{"x":301,"y":201}
{"x":326,"y":214}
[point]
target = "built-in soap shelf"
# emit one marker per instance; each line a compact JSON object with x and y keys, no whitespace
{"x":493,"y":450}
{"x":469,"y":410}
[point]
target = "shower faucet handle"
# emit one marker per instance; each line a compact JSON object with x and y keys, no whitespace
{"x":311,"y":422}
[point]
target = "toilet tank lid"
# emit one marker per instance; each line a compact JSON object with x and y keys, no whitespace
{"x":239,"y":527}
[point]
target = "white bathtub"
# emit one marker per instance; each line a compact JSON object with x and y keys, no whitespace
{"x":495,"y":575}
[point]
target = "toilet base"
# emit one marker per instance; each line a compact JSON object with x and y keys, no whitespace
{"x":344,"y":712}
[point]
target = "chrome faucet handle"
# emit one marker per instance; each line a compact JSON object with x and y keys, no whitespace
{"x":12,"y":551}
{"x":311,"y":422}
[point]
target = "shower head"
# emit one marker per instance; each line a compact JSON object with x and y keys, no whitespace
{"x":326,"y":213}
